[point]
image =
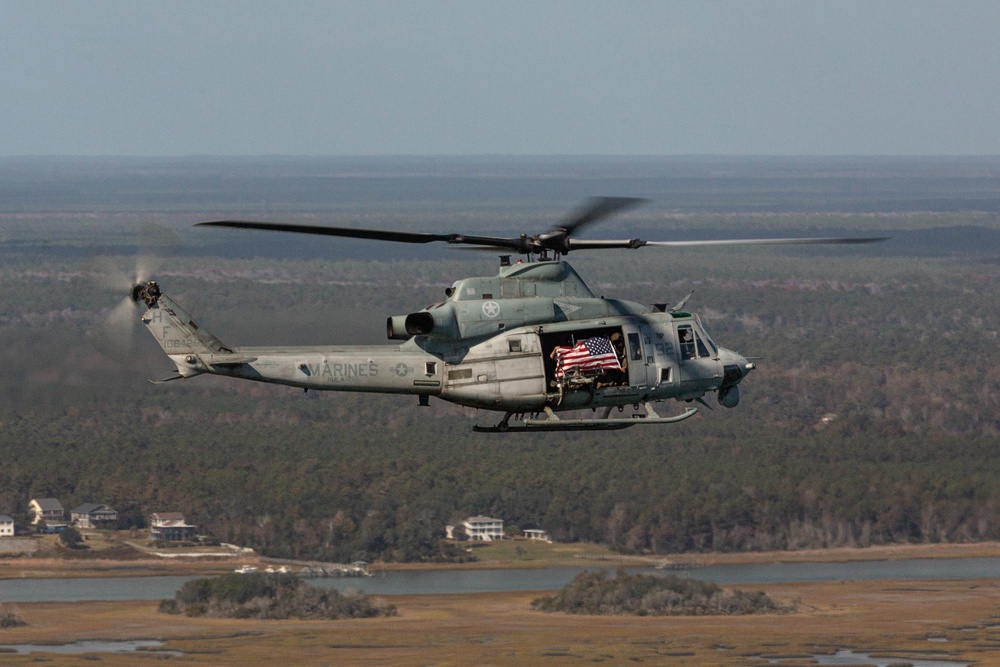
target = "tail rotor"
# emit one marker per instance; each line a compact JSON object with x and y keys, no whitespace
{"x":129,"y":275}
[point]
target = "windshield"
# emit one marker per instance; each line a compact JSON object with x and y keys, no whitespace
{"x":704,"y":333}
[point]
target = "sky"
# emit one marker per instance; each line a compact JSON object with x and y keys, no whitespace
{"x":573,"y":77}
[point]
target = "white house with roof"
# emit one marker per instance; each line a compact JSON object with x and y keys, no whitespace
{"x":480,"y":529}
{"x":537,"y":534}
{"x":48,"y":510}
{"x":169,"y":527}
{"x":6,"y":526}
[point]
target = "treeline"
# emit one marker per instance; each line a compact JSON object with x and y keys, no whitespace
{"x":316,"y":479}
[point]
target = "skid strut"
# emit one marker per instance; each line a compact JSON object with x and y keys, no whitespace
{"x":604,"y":423}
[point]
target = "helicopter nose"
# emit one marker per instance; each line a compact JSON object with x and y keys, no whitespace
{"x":735,"y":367}
{"x":730,"y":358}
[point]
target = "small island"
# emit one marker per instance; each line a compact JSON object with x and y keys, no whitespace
{"x":651,"y":595}
{"x":269,"y":596}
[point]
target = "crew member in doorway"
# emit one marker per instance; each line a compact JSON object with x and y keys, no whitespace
{"x":619,"y":344}
{"x":613,"y":376}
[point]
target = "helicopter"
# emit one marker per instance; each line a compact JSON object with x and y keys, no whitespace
{"x":532,"y":341}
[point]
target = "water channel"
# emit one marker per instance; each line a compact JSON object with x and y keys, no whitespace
{"x":147,"y":646}
{"x":491,"y":581}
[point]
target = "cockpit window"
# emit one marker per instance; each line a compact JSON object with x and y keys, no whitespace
{"x":703,"y":332}
{"x":702,"y":350}
{"x":685,"y":335}
{"x":692,"y":344}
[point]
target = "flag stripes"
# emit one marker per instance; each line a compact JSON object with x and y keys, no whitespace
{"x":593,"y":354}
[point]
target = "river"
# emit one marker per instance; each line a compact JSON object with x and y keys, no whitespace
{"x":428,"y":582}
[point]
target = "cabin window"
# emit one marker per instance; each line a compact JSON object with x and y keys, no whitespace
{"x":430,"y":368}
{"x":635,"y":346}
{"x":665,"y":375}
{"x":460,"y":374}
{"x":514,"y":344}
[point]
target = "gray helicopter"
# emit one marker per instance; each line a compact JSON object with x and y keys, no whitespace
{"x":531,"y":342}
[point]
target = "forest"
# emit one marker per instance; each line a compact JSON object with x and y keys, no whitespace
{"x":873,"y":416}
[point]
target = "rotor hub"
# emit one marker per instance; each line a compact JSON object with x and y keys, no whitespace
{"x":148,"y":293}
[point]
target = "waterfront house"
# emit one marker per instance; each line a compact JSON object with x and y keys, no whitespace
{"x":169,"y":527}
{"x":48,"y":510}
{"x":6,"y":526}
{"x":483,"y":528}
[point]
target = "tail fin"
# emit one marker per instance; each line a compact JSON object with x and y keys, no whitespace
{"x":176,"y":331}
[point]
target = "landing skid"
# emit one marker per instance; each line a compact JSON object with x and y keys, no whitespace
{"x":554,"y":423}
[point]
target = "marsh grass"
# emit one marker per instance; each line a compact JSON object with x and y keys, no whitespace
{"x":875,"y":618}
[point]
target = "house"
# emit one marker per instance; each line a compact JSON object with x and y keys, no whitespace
{"x":6,"y":526}
{"x":92,"y":515}
{"x":483,"y":528}
{"x":48,"y":510}
{"x":169,"y":527}
{"x":535,"y":534}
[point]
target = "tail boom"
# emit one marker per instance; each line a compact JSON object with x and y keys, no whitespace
{"x":402,"y":369}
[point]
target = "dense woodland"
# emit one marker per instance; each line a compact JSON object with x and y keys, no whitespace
{"x":873,"y":416}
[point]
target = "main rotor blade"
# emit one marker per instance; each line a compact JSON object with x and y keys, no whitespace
{"x":349,"y":232}
{"x":596,"y":209}
{"x":793,"y":241}
{"x":599,"y":244}
{"x":372,"y":234}
{"x":555,"y":239}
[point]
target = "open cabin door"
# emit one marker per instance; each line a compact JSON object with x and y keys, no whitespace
{"x":586,"y":359}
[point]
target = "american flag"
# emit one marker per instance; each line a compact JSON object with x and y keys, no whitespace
{"x":593,"y":354}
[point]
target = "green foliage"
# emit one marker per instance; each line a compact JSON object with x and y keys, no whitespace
{"x":70,"y":538}
{"x":272,"y":596}
{"x":130,"y":516}
{"x":646,"y":594}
